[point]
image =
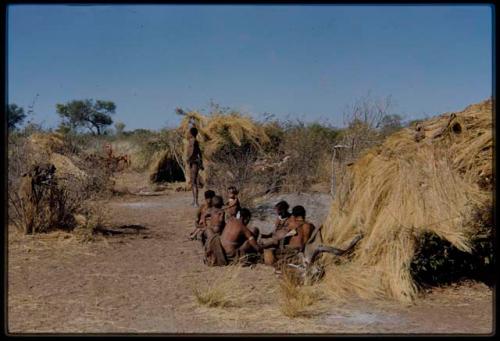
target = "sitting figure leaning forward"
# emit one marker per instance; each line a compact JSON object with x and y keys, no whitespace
{"x":235,"y":241}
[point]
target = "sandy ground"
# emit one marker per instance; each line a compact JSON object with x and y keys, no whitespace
{"x":142,"y":280}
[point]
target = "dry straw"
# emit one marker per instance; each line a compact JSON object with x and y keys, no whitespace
{"x":403,"y":188}
{"x":219,"y":130}
{"x":227,"y":290}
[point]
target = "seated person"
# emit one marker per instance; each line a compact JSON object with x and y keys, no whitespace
{"x":280,"y":226}
{"x":213,"y":221}
{"x":299,"y":229}
{"x":201,"y":214}
{"x":236,"y":240}
{"x":232,"y":206}
{"x":281,"y":210}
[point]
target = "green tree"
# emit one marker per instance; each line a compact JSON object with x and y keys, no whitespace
{"x":15,"y":115}
{"x":63,"y":128}
{"x":95,"y":116}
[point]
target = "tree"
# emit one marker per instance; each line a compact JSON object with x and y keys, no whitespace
{"x":15,"y":115}
{"x":119,"y":127}
{"x":390,"y":123}
{"x":63,"y":128}
{"x":85,"y":113}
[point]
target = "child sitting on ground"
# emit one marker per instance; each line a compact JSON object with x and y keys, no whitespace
{"x":232,"y":206}
{"x":201,"y":215}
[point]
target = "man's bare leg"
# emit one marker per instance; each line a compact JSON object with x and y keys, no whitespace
{"x":194,"y":183}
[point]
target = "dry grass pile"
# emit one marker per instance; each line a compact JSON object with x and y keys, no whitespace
{"x":219,"y":130}
{"x":227,"y":290}
{"x":43,"y":143}
{"x":78,"y":181}
{"x":52,"y":147}
{"x":296,"y":300}
{"x":432,"y":178}
{"x":225,"y":139}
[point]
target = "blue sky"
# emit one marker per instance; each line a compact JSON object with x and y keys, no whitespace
{"x":306,"y":62}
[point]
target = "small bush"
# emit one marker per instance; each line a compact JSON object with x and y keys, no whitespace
{"x":310,"y":148}
{"x":437,"y":261}
{"x":59,"y":201}
{"x":226,"y":290}
{"x":295,"y":300}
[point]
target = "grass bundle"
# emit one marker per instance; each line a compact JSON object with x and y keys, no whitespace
{"x":407,"y":188}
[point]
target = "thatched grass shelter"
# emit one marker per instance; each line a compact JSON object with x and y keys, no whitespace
{"x":432,"y":178}
{"x":219,"y":131}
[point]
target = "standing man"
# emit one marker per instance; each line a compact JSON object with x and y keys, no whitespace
{"x":195,"y":162}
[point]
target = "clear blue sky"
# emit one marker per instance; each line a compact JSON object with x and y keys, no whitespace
{"x":306,"y":62}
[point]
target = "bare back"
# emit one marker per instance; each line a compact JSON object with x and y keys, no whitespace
{"x":233,"y":236}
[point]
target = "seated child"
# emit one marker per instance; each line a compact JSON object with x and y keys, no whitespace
{"x":201,"y":215}
{"x":232,"y":206}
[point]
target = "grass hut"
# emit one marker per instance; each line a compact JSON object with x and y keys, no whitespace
{"x":221,"y":133}
{"x":422,"y":199}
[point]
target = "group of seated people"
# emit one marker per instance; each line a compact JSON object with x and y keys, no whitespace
{"x":226,"y":236}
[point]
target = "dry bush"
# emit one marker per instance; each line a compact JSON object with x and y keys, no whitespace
{"x":226,"y":290}
{"x":234,"y":166}
{"x":91,"y":219}
{"x":55,"y":208}
{"x":296,"y":158}
{"x":296,"y":300}
{"x":368,"y":122}
{"x":309,"y":148}
{"x":59,"y":203}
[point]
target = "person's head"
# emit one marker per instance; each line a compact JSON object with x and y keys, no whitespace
{"x":209,"y":196}
{"x":245,"y":215}
{"x":299,"y":212}
{"x":217,"y":201}
{"x":232,"y":192}
{"x":281,"y":209}
{"x":193,"y":131}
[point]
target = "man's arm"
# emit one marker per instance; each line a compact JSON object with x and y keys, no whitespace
{"x":229,"y":204}
{"x":198,"y":215}
{"x":204,"y":218}
{"x":307,"y":230}
{"x":251,"y":240}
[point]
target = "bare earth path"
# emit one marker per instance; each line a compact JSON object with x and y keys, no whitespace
{"x":142,"y":281}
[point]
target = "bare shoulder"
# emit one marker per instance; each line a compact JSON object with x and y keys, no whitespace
{"x":232,"y":221}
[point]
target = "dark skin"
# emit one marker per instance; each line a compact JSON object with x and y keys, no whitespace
{"x":201,"y":216}
{"x":236,"y":236}
{"x":217,"y":221}
{"x":233,"y":205}
{"x":194,"y":159}
{"x":304,"y":230}
{"x":281,"y":229}
{"x":281,"y":223}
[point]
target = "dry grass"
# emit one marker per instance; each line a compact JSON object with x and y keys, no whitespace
{"x":217,"y":133}
{"x":227,"y":290}
{"x":78,"y":181}
{"x":296,"y":300}
{"x":398,"y":191}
